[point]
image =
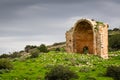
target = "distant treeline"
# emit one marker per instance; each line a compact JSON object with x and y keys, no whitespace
{"x":114,"y":39}
{"x":113,"y":44}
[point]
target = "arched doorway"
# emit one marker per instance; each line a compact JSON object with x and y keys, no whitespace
{"x":83,"y":36}
{"x":85,"y":50}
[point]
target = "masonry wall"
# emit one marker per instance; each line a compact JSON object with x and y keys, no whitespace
{"x":88,"y":33}
{"x":102,"y":44}
{"x":69,"y":41}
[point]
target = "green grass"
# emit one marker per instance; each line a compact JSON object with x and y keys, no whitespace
{"x":88,"y":67}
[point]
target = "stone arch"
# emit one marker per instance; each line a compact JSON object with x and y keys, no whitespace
{"x":83,"y":36}
{"x":88,"y":33}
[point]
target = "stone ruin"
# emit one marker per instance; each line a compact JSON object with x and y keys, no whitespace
{"x":88,"y":36}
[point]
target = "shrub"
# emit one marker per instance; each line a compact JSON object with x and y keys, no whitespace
{"x":5,"y":64}
{"x":57,"y":49}
{"x":116,"y":29}
{"x":14,"y":55}
{"x":11,"y":55}
{"x":60,"y":72}
{"x":4,"y":56}
{"x":29,"y":47}
{"x":35,"y":53}
{"x":114,"y":72}
{"x":42,"y":48}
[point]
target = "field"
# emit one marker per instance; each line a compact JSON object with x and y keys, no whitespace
{"x":88,"y":67}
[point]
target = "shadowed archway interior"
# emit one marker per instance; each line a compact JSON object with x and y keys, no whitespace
{"x":83,"y":37}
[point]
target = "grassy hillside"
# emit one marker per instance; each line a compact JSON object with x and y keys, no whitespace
{"x":111,"y":32}
{"x":56,"y":45}
{"x":88,"y":67}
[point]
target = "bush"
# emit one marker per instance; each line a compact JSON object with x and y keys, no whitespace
{"x":114,"y":72}
{"x":57,"y":49}
{"x":29,"y":47}
{"x":42,"y":48}
{"x":14,"y":55}
{"x":116,"y":29}
{"x":5,"y":64}
{"x":4,"y":56}
{"x":60,"y":73}
{"x":35,"y":53}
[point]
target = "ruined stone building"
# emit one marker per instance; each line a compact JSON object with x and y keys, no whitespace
{"x":88,"y":36}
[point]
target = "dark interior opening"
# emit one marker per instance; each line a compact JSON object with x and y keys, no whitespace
{"x":83,"y":36}
{"x":85,"y":50}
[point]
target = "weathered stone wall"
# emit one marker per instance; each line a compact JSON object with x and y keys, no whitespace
{"x":88,"y":34}
{"x":69,"y":40}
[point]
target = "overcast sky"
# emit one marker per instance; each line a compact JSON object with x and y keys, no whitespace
{"x":32,"y":22}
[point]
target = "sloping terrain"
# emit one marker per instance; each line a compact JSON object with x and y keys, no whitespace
{"x":88,"y":67}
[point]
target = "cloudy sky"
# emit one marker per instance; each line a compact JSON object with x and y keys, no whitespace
{"x":33,"y":22}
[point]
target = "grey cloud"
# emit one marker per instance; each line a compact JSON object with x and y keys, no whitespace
{"x":54,"y":10}
{"x":31,"y":17}
{"x":22,"y":20}
{"x":33,"y":27}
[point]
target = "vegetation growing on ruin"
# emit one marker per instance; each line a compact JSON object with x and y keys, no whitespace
{"x":98,"y":23}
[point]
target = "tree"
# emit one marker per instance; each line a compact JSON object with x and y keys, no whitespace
{"x":42,"y":48}
{"x":28,"y":47}
{"x":14,"y":55}
{"x":116,"y":29}
{"x":5,"y":64}
{"x":4,"y":56}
